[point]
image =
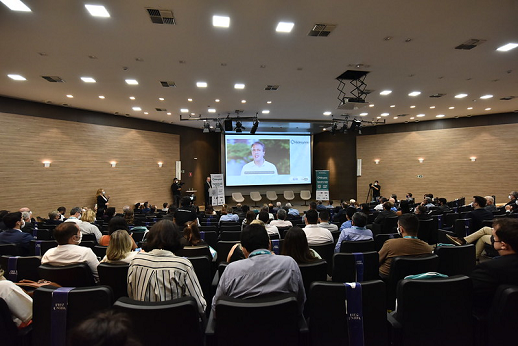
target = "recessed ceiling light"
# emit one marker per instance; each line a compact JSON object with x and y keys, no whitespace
{"x":451,"y":107}
{"x":137,"y":109}
{"x":392,"y":106}
{"x":243,"y":101}
{"x":70,"y":96}
{"x":484,"y":97}
{"x":190,"y":100}
{"x":269,"y":102}
{"x":221,"y":21}
{"x":412,"y":106}
{"x":102,"y":97}
{"x":201,"y":84}
{"x":161,"y":98}
{"x":439,"y":116}
{"x":371,"y":105}
{"x":420,"y":115}
{"x":470,"y":108}
{"x":415,"y":93}
{"x":88,"y":79}
{"x":386,"y":92}
{"x":507,"y":47}
{"x":193,"y":114}
{"x":131,"y":81}
{"x":460,"y":96}
{"x":16,"y":77}
{"x":378,"y":117}
{"x":396,"y":118}
{"x":364,"y":114}
{"x":146,"y":113}
{"x":327,"y":113}
{"x":132,"y":97}
{"x":168,"y":113}
{"x":97,"y":10}
{"x":212,"y":110}
{"x":16,"y":5}
{"x":239,"y":86}
{"x":265,"y":111}
{"x":184,"y":110}
{"x":385,"y":114}
{"x":412,"y":118}
{"x":216,"y":100}
{"x":284,"y":27}
{"x":432,"y":107}
{"x":488,"y":109}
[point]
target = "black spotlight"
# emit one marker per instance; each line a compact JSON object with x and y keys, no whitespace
{"x":218,"y":127}
{"x":206,"y":127}
{"x":356,"y":126}
{"x":228,"y":125}
{"x":334,"y":128}
{"x":239,"y":127}
{"x":344,"y":128}
{"x":254,"y":127}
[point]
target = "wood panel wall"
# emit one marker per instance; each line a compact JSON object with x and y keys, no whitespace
{"x":80,"y":154}
{"x":447,"y":170}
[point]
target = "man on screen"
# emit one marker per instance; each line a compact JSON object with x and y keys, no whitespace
{"x":259,"y":165}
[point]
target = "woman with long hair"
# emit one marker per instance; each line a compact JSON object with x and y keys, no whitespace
{"x":87,"y":226}
{"x":191,"y":235}
{"x":249,"y":217}
{"x":296,"y":246}
{"x":115,"y":224}
{"x":119,"y":250}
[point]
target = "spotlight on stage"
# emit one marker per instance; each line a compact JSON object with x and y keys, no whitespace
{"x":219,"y":128}
{"x":239,"y":127}
{"x":334,"y":128}
{"x":206,"y":127}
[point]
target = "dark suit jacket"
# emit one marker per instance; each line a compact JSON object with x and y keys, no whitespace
{"x":488,"y":275}
{"x":15,"y":236}
{"x":477,"y":216}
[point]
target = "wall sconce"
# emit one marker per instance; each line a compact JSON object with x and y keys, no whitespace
{"x":160,"y":164}
{"x":377,"y":161}
{"x":420,"y":160}
{"x":473,"y":158}
{"x":113,"y":163}
{"x":46,"y":164}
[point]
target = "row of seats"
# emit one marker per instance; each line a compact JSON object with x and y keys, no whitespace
{"x":256,"y":196}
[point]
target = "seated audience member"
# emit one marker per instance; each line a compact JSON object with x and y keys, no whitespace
{"x":422,"y":213}
{"x":278,"y":206}
{"x":54,"y":218}
{"x":281,"y":219}
{"x":2,"y":224}
{"x":312,"y":206}
{"x":320,"y":206}
{"x":479,"y":213}
{"x":159,"y":275}
{"x":107,"y":328}
{"x":356,"y":232}
{"x":427,"y":202}
{"x":349,"y":212}
{"x":75,"y":215}
{"x":364,"y":208}
{"x":249,"y":217}
{"x":409,"y":197}
{"x":324,"y":221}
{"x":296,"y":246}
{"x":165,"y":207}
{"x":19,"y":303}
{"x":29,"y":226}
{"x":191,"y":235}
{"x":185,"y":212}
{"x":393,"y":202}
{"x":119,"y":250}
{"x":266,"y":208}
{"x":116,"y":224}
{"x":291,"y":211}
{"x":385,"y":213}
{"x":379,"y":207}
{"x":261,"y":273}
{"x":227,"y":215}
{"x":146,"y":209}
{"x":209,"y":210}
{"x":108,"y":214}
{"x":443,"y":206}
{"x":265,"y":218}
{"x":68,"y":250}
{"x":488,"y":275}
{"x":404,"y":206}
{"x":13,"y":233}
{"x":490,"y":204}
{"x":63,"y":212}
{"x":129,"y":216}
{"x":408,"y":245}
{"x":315,"y":234}
{"x":87,"y":226}
{"x":170,"y":214}
{"x":512,"y":205}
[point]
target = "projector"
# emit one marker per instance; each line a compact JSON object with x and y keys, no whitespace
{"x":352,"y":103}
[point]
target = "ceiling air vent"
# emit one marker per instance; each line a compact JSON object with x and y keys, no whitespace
{"x":322,"y":30}
{"x":470,"y":44}
{"x":166,"y":84}
{"x":271,"y":87}
{"x":437,"y":95}
{"x":507,"y":98}
{"x":161,"y":16}
{"x":161,"y":109}
{"x":53,"y":79}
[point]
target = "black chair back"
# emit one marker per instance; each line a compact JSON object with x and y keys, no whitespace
{"x":39,"y":247}
{"x":389,"y":225}
{"x":114,"y":276}
{"x":9,"y":250}
{"x":408,"y":265}
{"x":44,"y":234}
{"x":231,"y":226}
{"x":100,"y":251}
{"x":82,"y":303}
{"x":328,"y":319}
{"x":314,"y":271}
{"x":89,"y":237}
{"x":8,"y":329}
{"x":194,"y":251}
{"x":230,"y":235}
{"x":456,"y":260}
{"x":19,"y":268}
{"x":503,"y":315}
{"x":75,"y":275}
{"x":210,"y":237}
{"x":326,"y":251}
{"x":174,"y":322}
{"x":462,"y":227}
{"x":223,"y":248}
{"x":428,"y":306}
{"x":345,"y":267}
{"x":88,"y":243}
{"x":380,"y":239}
{"x":357,"y":246}
{"x":202,"y":268}
{"x":427,"y":231}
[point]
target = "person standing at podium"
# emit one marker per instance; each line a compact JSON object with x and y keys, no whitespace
{"x":206,"y":188}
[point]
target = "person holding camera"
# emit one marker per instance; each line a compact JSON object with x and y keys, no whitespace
{"x":376,"y":190}
{"x":176,"y":189}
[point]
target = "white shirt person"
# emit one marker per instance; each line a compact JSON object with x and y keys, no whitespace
{"x":259,"y":165}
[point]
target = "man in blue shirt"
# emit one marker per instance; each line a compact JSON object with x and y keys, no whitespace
{"x":356,"y":232}
{"x":226,"y":214}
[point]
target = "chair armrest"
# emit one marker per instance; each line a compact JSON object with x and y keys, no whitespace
{"x":210,"y":330}
{"x":395,"y":329}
